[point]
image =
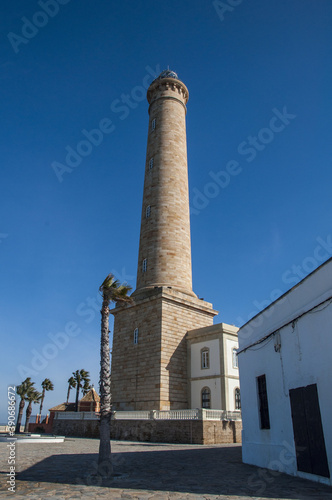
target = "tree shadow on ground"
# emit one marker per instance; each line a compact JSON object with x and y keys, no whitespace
{"x":215,"y":471}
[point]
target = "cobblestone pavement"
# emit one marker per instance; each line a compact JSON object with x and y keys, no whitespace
{"x":147,"y":471}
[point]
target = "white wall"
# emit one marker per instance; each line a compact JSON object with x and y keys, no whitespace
{"x":231,"y":384}
{"x":304,"y":359}
{"x":196,"y":370}
{"x":229,"y":346}
{"x":214,"y":384}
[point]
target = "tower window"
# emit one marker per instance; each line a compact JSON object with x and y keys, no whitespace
{"x":263,"y":403}
{"x":206,"y":398}
{"x":136,"y":336}
{"x":235,"y":362}
{"x":205,"y":358}
{"x":144,"y":265}
{"x":153,"y":124}
{"x":237,"y":399}
{"x":151,"y":163}
{"x":148,"y":211}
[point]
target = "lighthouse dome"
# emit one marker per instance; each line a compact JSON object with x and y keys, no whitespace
{"x":167,"y":73}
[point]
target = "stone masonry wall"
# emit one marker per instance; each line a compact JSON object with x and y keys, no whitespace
{"x":152,"y":374}
{"x":157,"y":431}
{"x":179,"y":314}
{"x":135,"y":376}
{"x":165,"y":234}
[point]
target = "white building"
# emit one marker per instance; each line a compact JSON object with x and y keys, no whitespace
{"x":286,"y":373}
{"x":213,"y":374}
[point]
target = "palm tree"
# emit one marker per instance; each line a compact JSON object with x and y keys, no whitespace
{"x":111,"y":291}
{"x":47,"y":385}
{"x":81,"y":378}
{"x":72,"y":385}
{"x":86,"y":388}
{"x":22,"y":391}
{"x":33,"y":396}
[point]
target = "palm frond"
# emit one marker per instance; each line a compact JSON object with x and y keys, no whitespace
{"x":24,"y":387}
{"x":47,"y":385}
{"x":109,"y":283}
{"x":33,"y":396}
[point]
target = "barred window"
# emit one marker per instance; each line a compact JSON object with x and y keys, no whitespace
{"x":148,"y":211}
{"x":263,"y":403}
{"x":144,"y":265}
{"x":237,"y":399}
{"x":136,"y":336}
{"x":153,"y":124}
{"x":206,"y":398}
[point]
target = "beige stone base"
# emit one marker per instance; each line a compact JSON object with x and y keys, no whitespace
{"x":152,"y":374}
{"x":157,"y":431}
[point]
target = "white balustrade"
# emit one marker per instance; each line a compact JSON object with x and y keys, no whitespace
{"x":193,"y":414}
{"x":177,"y":415}
{"x":131,"y":415}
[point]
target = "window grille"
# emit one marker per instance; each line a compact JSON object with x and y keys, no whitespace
{"x":237,"y":399}
{"x":206,"y":398}
{"x":263,"y":403}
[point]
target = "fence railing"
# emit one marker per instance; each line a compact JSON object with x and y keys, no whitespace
{"x":194,"y":414}
{"x":76,"y":415}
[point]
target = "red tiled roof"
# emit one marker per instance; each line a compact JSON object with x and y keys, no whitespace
{"x":63,"y":407}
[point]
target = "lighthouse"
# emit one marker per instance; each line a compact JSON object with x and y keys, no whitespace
{"x":165,"y":249}
{"x":149,"y":355}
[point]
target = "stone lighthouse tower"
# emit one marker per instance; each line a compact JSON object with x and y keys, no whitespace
{"x":149,"y":357}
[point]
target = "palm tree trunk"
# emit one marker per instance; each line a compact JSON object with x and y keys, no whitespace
{"x":19,"y":417}
{"x":28,"y":415}
{"x":105,"y":462}
{"x":41,"y":402}
{"x":77,"y":394}
{"x":69,"y":387}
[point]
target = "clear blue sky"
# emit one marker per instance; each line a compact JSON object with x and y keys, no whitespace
{"x":244,"y":68}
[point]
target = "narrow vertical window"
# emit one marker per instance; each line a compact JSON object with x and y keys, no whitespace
{"x":263,"y":403}
{"x":235,"y":362}
{"x":148,"y":211}
{"x":151,"y":164}
{"x":237,"y":399}
{"x":144,"y":265}
{"x":206,"y":398}
{"x":136,"y":336}
{"x":205,"y":358}
{"x":153,"y":124}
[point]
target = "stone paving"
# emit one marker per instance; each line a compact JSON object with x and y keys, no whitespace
{"x":147,"y":471}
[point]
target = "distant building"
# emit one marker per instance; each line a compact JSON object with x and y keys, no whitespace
{"x":90,"y":403}
{"x":286,"y":373}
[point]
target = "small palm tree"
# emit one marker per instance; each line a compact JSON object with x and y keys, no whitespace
{"x":72,"y":385}
{"x":47,"y":385}
{"x":22,"y":391}
{"x":81,"y":378}
{"x":111,"y":291}
{"x":33,"y":396}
